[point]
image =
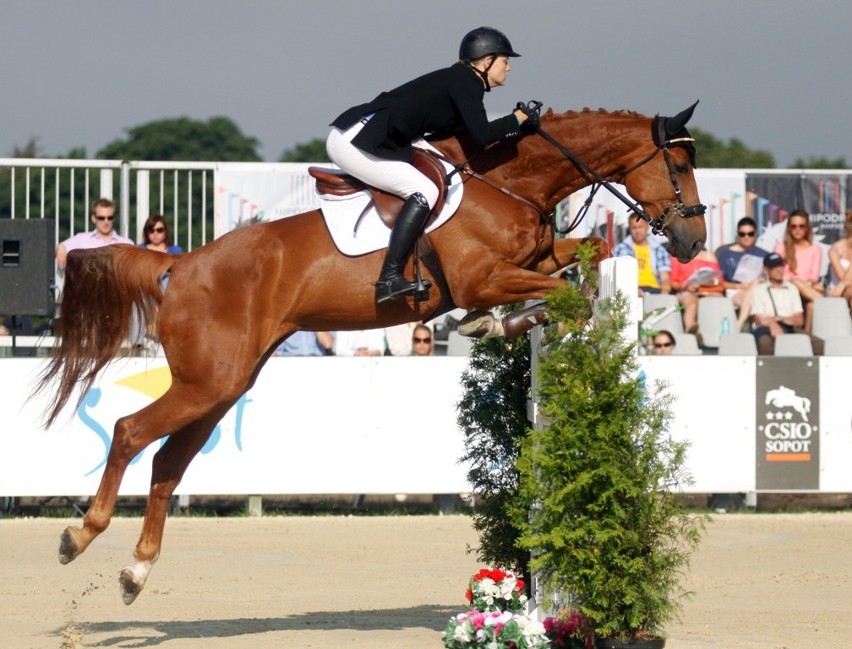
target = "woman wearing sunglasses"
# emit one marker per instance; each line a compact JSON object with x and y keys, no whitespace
{"x":422,"y":343}
{"x":157,"y":237}
{"x":802,"y":261}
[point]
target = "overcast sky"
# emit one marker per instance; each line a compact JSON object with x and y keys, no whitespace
{"x":773,"y":73}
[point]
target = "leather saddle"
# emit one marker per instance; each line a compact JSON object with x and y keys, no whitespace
{"x":335,"y":182}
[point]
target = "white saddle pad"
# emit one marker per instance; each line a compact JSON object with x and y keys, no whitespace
{"x":341,"y":214}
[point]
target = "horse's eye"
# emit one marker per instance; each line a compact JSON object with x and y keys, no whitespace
{"x":681,"y":169}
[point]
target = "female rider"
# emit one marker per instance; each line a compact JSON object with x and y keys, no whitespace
{"x":372,"y":141}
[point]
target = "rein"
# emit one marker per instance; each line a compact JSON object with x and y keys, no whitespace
{"x":678,"y":209}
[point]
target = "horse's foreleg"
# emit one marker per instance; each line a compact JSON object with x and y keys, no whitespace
{"x":506,"y":284}
{"x":564,"y":254}
{"x":169,"y":465}
{"x":126,"y":443}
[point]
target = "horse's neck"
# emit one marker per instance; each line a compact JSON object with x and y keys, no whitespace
{"x":607,"y":142}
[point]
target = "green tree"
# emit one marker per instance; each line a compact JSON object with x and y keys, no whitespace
{"x":820,"y":163}
{"x":313,"y":151}
{"x":493,"y":417}
{"x":218,"y":139}
{"x":183,"y":139}
{"x":713,"y":153}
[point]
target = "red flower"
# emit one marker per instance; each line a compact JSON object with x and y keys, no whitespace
{"x":469,"y":595}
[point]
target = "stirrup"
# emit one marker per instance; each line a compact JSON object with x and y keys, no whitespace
{"x":389,"y":290}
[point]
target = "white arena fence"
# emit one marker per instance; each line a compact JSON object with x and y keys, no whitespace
{"x":387,"y":425}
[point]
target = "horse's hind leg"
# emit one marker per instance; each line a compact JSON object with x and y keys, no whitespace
{"x":127,"y":441}
{"x":169,"y":465}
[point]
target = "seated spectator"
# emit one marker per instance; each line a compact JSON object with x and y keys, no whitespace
{"x":156,"y":236}
{"x":103,"y":217}
{"x":306,"y":343}
{"x":422,"y":341}
{"x":664,"y":343}
{"x":368,"y":342}
{"x":653,"y":260}
{"x":741,"y":264}
{"x":699,"y":276}
{"x":840,"y":258}
{"x":803,"y":260}
{"x":776,"y":308}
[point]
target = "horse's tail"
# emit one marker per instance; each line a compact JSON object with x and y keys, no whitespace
{"x":103,"y":288}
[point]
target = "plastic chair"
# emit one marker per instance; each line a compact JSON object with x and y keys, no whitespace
{"x":838,"y":346}
{"x":712,"y":311}
{"x":793,"y":345}
{"x":737,"y":344}
{"x":458,"y":345}
{"x":672,"y":322}
{"x":831,"y":318}
{"x":686,"y":345}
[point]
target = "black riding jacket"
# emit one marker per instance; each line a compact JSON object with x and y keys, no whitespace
{"x":440,"y":102}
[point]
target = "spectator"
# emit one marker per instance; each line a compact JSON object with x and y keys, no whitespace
{"x":840,"y":258}
{"x":654,"y":265}
{"x":156,"y":236}
{"x":802,"y":261}
{"x":697,"y":277}
{"x":103,"y":217}
{"x":664,"y":343}
{"x":776,"y":307}
{"x":369,"y":342}
{"x":422,"y":341}
{"x":741,"y":264}
{"x":398,"y":339}
{"x":306,"y":343}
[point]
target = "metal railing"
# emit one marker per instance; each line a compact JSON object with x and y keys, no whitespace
{"x":64,"y":190}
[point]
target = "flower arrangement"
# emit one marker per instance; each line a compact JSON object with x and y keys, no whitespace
{"x":495,"y":630}
{"x":493,"y":589}
{"x":497,"y":621}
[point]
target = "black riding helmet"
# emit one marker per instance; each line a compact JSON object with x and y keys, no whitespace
{"x":484,"y":41}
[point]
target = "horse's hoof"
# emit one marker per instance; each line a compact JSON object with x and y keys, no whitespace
{"x":129,"y":588}
{"x":477,"y":324}
{"x":68,"y":550}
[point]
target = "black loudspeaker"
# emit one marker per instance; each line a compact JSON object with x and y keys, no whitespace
{"x":27,"y":266}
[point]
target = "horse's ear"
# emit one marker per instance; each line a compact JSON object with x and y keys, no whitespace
{"x":674,"y":125}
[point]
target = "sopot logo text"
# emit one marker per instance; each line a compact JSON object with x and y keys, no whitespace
{"x":782,"y":433}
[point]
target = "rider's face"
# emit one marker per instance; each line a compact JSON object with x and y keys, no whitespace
{"x":499,"y":71}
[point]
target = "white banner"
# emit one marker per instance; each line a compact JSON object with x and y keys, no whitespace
{"x":374,"y":425}
{"x":249,"y":193}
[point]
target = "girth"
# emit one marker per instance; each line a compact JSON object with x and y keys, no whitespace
{"x":335,"y":182}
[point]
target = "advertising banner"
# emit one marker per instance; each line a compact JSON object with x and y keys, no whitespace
{"x":787,"y":424}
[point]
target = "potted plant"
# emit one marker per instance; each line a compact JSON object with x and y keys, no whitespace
{"x":607,"y":537}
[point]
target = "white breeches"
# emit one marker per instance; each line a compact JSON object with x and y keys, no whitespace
{"x":394,"y":176}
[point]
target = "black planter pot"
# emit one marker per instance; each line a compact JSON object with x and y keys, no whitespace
{"x":616,"y":643}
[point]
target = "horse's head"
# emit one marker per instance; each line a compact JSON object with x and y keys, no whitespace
{"x":664,"y":184}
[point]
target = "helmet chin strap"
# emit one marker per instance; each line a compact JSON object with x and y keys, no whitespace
{"x":483,"y":73}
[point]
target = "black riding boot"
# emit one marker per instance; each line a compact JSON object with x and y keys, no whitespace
{"x":412,"y":217}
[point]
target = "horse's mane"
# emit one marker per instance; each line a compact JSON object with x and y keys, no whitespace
{"x":462,"y":147}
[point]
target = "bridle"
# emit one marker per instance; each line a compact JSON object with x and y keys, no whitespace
{"x":671,"y":212}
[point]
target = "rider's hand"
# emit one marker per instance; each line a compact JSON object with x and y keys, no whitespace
{"x":531,"y":112}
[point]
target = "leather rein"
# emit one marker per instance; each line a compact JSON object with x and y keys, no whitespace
{"x":677,"y":209}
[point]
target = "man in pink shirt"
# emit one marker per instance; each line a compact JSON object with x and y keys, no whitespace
{"x":103,"y":217}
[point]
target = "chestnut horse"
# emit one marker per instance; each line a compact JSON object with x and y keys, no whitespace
{"x":231,"y":302}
